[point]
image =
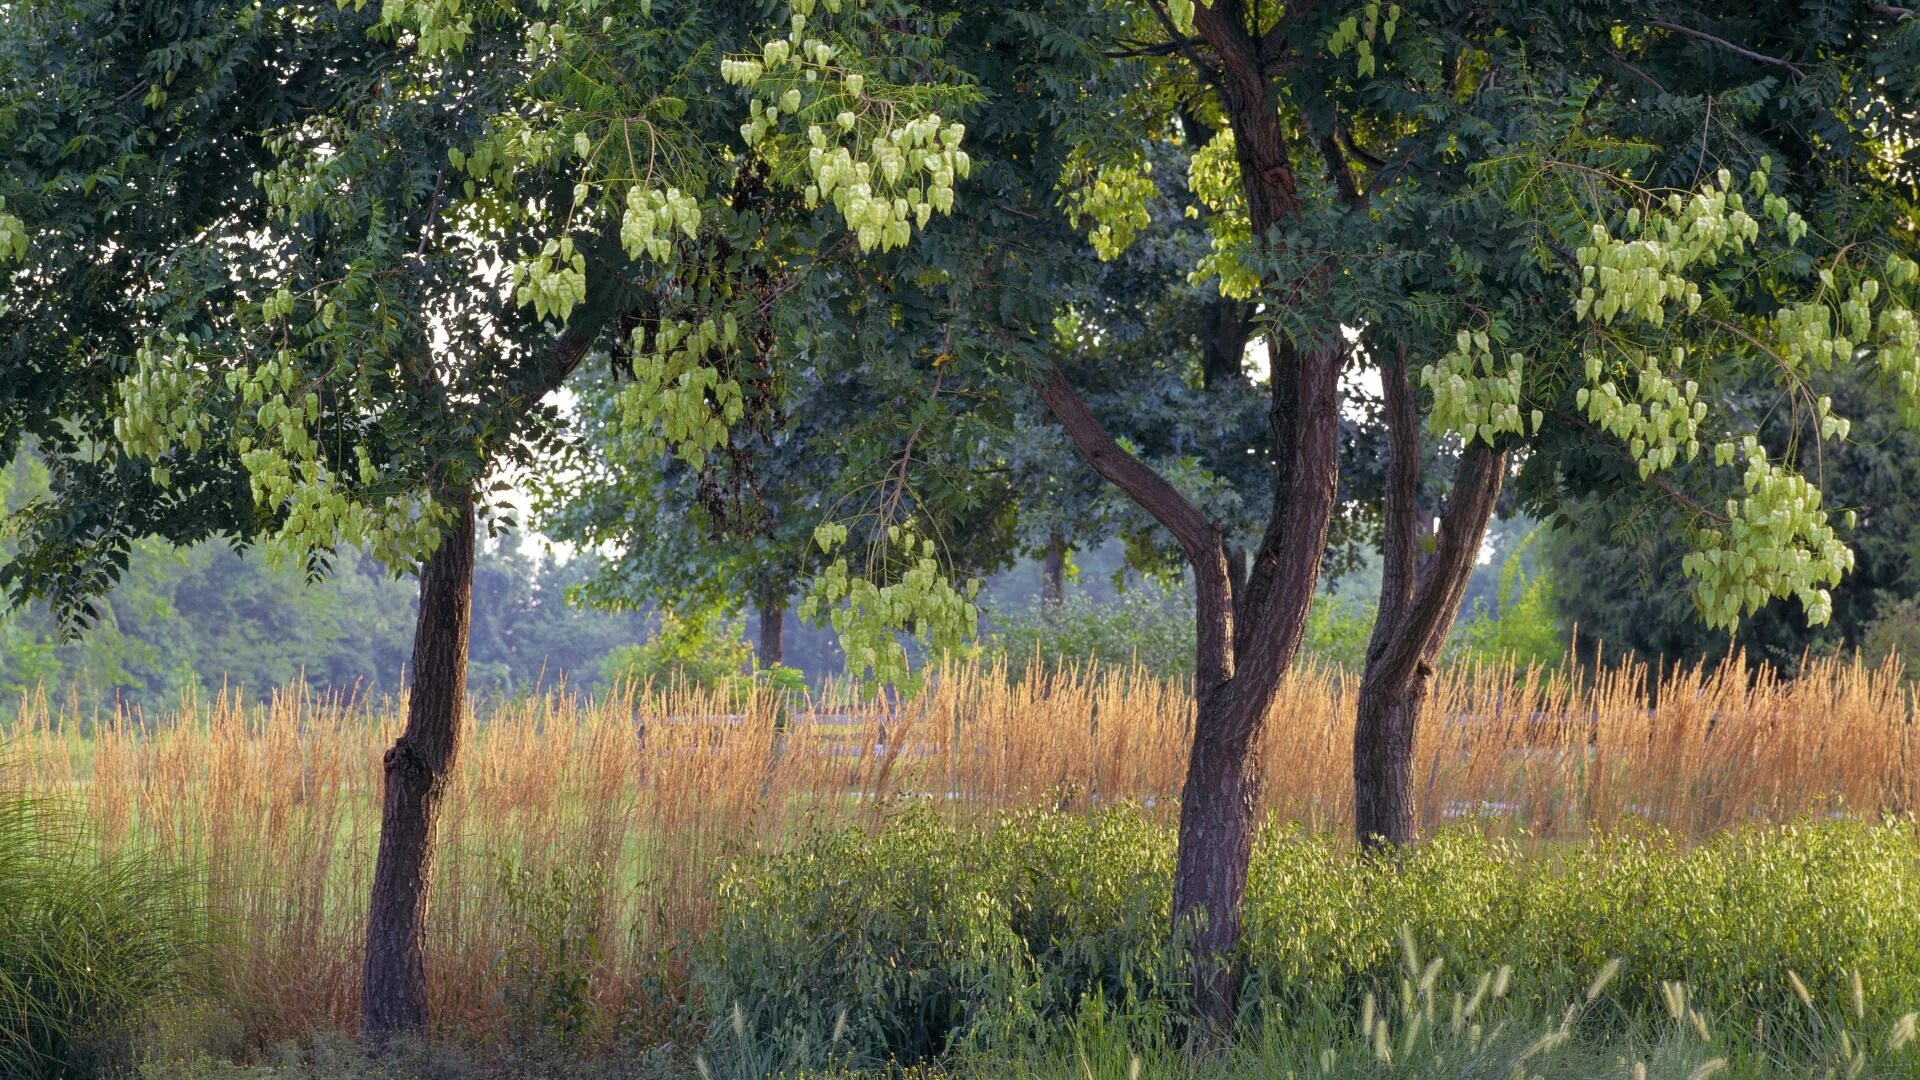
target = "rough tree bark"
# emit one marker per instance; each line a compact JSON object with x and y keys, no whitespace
{"x":1236,"y":675}
{"x":394,"y":986}
{"x":1419,"y":598}
{"x":393,"y":989}
{"x":1248,"y":622}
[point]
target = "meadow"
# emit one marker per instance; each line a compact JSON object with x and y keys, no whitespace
{"x":677,"y":882}
{"x":728,"y":883}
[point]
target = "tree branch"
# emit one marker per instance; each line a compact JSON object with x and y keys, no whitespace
{"x":1198,"y":536}
{"x":1476,"y":488}
{"x":1723,"y":43}
{"x":1339,"y":171}
{"x":1163,"y":48}
{"x":1207,"y":72}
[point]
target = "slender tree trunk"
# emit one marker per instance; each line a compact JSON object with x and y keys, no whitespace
{"x":1243,"y":646}
{"x":393,"y":997}
{"x":1053,"y":580}
{"x":771,"y":649}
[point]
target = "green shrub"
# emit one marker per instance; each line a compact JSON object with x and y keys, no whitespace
{"x":1338,"y":628}
{"x":895,"y":941}
{"x":1525,"y":628}
{"x":87,"y":943}
{"x":1090,"y":899}
{"x":1149,"y":624}
{"x":1894,"y":633}
{"x":705,"y":650}
{"x":929,"y":935}
{"x":554,"y":946}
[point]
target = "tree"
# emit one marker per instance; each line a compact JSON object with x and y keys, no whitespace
{"x":263,"y":294}
{"x":672,"y":536}
{"x":1617,"y":563}
{"x":1495,"y":209}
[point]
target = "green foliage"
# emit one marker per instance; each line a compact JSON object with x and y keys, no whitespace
{"x":1148,"y":624}
{"x":929,"y":935}
{"x":902,"y":941}
{"x":1524,"y":627}
{"x":1338,"y":629}
{"x":1615,"y":563}
{"x":702,"y":650}
{"x":912,"y":596}
{"x":1894,"y":634}
{"x":88,"y":943}
{"x":321,"y":354}
{"x":546,"y":970}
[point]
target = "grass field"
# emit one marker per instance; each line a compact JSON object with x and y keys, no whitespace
{"x":594,"y":845}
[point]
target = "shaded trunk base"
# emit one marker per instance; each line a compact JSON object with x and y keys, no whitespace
{"x":1217,"y":807}
{"x":1388,"y":717}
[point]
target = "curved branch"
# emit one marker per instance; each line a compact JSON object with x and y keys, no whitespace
{"x":1199,"y":537}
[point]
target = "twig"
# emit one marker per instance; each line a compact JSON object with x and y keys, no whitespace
{"x":1737,"y":50}
{"x":1164,"y":48}
{"x":433,"y":211}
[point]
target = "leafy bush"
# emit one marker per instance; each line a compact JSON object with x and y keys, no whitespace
{"x":704,"y":650}
{"x":547,"y":968}
{"x":896,"y":940}
{"x":1337,"y":631}
{"x":1525,"y":627}
{"x":926,"y":935}
{"x":1149,"y":624}
{"x":1894,"y":632}
{"x":87,"y":943}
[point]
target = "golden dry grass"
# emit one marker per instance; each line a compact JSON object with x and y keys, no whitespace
{"x":647,"y":793}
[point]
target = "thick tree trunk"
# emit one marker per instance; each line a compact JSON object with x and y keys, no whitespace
{"x":771,"y":648}
{"x":393,"y":997}
{"x":1217,"y":807}
{"x":1053,"y":573}
{"x":1383,"y":733}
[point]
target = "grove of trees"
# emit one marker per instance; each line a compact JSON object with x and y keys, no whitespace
{"x":822,"y":299}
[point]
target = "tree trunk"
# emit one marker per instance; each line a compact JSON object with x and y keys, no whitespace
{"x":771,"y":649}
{"x":393,"y":997}
{"x":1419,"y":598}
{"x":1053,"y":581}
{"x":1241,"y":649}
{"x":1383,"y":732}
{"x":1217,"y":807}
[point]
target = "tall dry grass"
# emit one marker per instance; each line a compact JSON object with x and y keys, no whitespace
{"x":642,"y":795}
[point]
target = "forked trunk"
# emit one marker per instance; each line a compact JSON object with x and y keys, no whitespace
{"x":1243,"y":645}
{"x":393,"y":997}
{"x":1383,"y":733}
{"x":1423,"y":577}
